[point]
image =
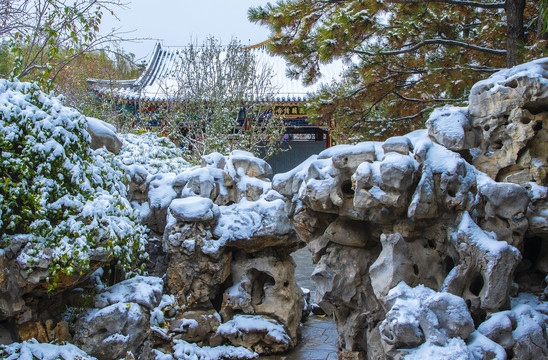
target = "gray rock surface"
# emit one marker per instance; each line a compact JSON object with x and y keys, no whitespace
{"x":109,"y":333}
{"x":103,"y":135}
{"x":460,"y":207}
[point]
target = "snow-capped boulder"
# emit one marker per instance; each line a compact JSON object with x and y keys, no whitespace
{"x":509,"y":109}
{"x":420,"y":314}
{"x":451,"y":127}
{"x":398,"y":144}
{"x":103,"y":135}
{"x":262,"y":334}
{"x":198,"y":326}
{"x":143,"y":290}
{"x":194,"y":209}
{"x":264,"y":284}
{"x":109,"y":333}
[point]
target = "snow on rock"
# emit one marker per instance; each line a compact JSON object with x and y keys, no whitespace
{"x":253,"y":224}
{"x":489,"y":265}
{"x":194,"y":209}
{"x":32,"y":350}
{"x":451,"y":127}
{"x":103,"y":134}
{"x":110,"y":332}
{"x":412,"y":210}
{"x":420,"y":314}
{"x":524,"y":85}
{"x":259,"y":333}
{"x":521,"y":330}
{"x":187,"y":351}
{"x":454,"y":349}
{"x":243,"y":163}
{"x":143,"y":290}
{"x":398,"y":144}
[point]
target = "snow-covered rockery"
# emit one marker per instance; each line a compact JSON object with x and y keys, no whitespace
{"x":391,"y":223}
{"x":225,"y":251}
{"x":63,"y":206}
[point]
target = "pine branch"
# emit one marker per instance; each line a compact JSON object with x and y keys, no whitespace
{"x":423,"y":100}
{"x":497,"y":5}
{"x":434,"y":41}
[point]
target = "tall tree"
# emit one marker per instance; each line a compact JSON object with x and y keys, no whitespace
{"x":405,"y":56}
{"x":210,"y":90}
{"x":46,"y":35}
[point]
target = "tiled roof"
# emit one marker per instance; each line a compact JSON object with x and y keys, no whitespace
{"x":157,"y":82}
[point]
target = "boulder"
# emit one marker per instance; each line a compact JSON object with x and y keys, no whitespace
{"x":143,"y":290}
{"x":264,"y":284}
{"x":451,"y":127}
{"x":109,"y":333}
{"x":394,"y":264}
{"x":486,"y":267}
{"x":103,"y":135}
{"x":261,"y":334}
{"x":418,"y":315}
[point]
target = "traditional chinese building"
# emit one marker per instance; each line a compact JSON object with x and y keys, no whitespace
{"x":143,"y":96}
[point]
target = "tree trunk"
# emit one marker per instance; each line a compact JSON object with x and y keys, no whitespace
{"x":515,"y":37}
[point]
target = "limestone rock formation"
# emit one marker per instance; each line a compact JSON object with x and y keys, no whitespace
{"x":259,"y":333}
{"x":120,"y":321}
{"x":459,"y":208}
{"x":227,"y":238}
{"x":110,"y":332}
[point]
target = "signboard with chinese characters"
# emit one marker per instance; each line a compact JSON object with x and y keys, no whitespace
{"x":290,"y":111}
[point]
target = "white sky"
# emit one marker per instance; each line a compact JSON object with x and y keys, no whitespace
{"x":177,"y":22}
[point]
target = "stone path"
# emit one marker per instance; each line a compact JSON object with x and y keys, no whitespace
{"x":319,"y":342}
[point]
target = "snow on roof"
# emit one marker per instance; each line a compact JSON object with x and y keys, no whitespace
{"x":157,"y":82}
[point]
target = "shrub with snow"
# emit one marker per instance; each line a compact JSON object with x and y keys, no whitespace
{"x":156,"y":154}
{"x":66,"y":197}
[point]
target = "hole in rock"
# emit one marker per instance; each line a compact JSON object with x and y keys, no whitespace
{"x":512,"y":84}
{"x":260,"y":281}
{"x":476,"y":284}
{"x":532,"y":249}
{"x":431,"y":244}
{"x":346,"y":188}
{"x":497,"y":145}
{"x":451,"y":192}
{"x":217,"y":301}
{"x":486,"y":127}
{"x":537,"y":126}
{"x":537,"y":107}
{"x":415,"y":269}
{"x":478,"y":314}
{"x":525,"y":121}
{"x":448,"y":264}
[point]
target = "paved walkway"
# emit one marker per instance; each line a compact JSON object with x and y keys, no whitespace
{"x":319,"y":342}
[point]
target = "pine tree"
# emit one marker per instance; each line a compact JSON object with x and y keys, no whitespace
{"x":405,"y":56}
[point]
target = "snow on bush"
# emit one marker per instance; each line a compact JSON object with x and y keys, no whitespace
{"x":156,"y":154}
{"x":32,"y":350}
{"x":66,"y":198}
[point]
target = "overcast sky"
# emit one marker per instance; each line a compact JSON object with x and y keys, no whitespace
{"x":177,"y":22}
